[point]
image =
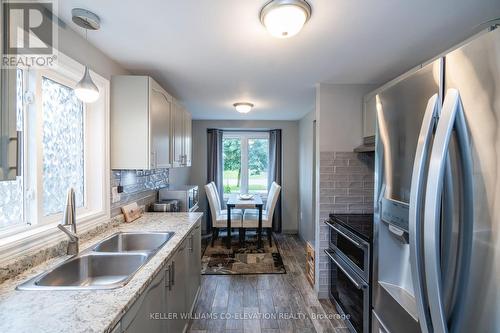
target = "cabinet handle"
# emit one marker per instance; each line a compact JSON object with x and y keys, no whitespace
{"x":172,"y":274}
{"x":191,"y":243}
{"x":167,"y":278}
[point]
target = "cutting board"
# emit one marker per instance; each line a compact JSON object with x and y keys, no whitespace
{"x":131,"y":212}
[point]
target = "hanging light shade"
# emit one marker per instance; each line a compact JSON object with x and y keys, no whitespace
{"x":86,"y":90}
{"x":285,"y":18}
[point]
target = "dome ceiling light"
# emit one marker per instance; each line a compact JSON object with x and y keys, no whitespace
{"x":243,"y":107}
{"x":285,"y":18}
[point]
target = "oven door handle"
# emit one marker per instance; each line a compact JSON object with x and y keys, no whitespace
{"x":343,"y":234}
{"x":356,"y":283}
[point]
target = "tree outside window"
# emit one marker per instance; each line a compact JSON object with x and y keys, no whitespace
{"x":246,"y":162}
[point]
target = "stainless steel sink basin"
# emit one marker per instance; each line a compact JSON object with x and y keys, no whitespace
{"x":109,"y":264}
{"x":134,"y":242}
{"x":90,"y":271}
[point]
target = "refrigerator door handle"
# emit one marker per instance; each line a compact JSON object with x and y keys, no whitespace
{"x":416,"y":202}
{"x":452,"y":117}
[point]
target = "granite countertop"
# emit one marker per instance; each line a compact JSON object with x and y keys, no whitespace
{"x":88,"y":310}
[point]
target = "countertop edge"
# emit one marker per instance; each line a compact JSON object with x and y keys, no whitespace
{"x":96,"y":310}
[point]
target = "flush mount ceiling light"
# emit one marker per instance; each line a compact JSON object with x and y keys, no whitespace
{"x":285,"y":18}
{"x":86,"y":90}
{"x":243,"y":107}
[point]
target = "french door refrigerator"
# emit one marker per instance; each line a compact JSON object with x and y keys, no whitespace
{"x":437,"y":194}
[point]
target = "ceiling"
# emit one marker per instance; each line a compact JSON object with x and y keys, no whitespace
{"x":212,"y":53}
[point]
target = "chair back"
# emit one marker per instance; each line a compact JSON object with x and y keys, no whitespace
{"x":217,"y":196}
{"x":212,"y":202}
{"x":272,"y":199}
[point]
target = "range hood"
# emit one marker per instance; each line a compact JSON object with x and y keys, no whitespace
{"x":368,"y":145}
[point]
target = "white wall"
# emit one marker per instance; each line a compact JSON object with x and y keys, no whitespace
{"x":179,"y":176}
{"x":306,"y":185}
{"x":290,"y":192}
{"x":340,"y":116}
{"x":77,"y":48}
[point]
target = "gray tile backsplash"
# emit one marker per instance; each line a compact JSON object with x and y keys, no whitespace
{"x":346,"y":186}
{"x":138,"y":185}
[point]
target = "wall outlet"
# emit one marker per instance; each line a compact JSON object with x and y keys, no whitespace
{"x":115,"y":196}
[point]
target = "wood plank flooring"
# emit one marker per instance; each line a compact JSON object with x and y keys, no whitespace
{"x":272,"y":303}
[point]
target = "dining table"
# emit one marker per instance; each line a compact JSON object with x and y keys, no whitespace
{"x":236,"y":201}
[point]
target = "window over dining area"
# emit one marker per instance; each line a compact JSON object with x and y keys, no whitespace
{"x":246,"y":162}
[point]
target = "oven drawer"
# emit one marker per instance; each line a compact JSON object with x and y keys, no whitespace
{"x":350,"y":294}
{"x":352,"y":248}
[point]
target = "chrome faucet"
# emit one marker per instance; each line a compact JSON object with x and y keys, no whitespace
{"x":69,"y":219}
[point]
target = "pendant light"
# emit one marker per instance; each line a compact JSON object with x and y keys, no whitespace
{"x":285,"y":18}
{"x":86,"y":90}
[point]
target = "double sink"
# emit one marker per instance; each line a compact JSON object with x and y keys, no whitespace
{"x":109,"y":264}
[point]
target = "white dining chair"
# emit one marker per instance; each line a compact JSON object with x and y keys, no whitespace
{"x":251,"y":216}
{"x":219,"y":215}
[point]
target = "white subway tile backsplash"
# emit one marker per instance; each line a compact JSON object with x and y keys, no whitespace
{"x":346,"y":186}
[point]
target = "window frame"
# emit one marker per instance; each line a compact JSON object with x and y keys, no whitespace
{"x":244,"y":137}
{"x":96,"y":210}
{"x":40,"y":214}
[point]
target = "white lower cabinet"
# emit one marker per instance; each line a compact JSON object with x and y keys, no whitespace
{"x":194,"y":265}
{"x":166,"y":304}
{"x":176,"y":291}
{"x":138,"y":318}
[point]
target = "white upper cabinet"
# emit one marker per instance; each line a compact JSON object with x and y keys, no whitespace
{"x":188,"y":138}
{"x":177,"y":134}
{"x":369,"y":115}
{"x":140,"y":123}
{"x":182,"y":136}
{"x":161,"y":105}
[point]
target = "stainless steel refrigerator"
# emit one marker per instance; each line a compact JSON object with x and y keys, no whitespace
{"x":437,"y":194}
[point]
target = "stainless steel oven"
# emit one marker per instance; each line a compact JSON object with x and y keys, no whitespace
{"x":350,"y":294}
{"x":350,"y":258}
{"x":351,"y":248}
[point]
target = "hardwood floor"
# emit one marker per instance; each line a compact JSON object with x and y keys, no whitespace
{"x":273,"y":303}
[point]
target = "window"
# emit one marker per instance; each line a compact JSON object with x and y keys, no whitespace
{"x":246,"y":162}
{"x":62,"y":146}
{"x":61,"y":138}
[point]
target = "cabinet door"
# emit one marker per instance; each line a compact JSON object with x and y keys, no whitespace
{"x":152,"y":301}
{"x":160,"y":106}
{"x":369,"y":115}
{"x":129,"y":128}
{"x":194,"y":265}
{"x":176,"y":291}
{"x":187,"y":138}
{"x":177,"y":135}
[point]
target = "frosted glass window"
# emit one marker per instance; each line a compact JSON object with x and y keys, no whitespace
{"x":11,"y":192}
{"x":62,"y":146}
